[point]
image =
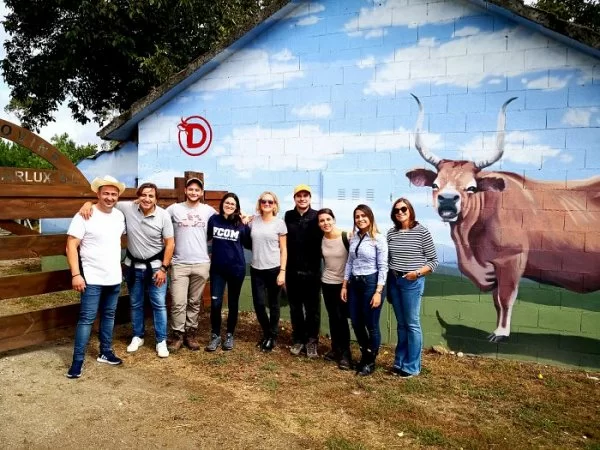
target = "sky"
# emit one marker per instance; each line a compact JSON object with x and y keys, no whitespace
{"x":81,"y":134}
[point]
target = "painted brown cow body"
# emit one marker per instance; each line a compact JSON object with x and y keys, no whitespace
{"x":506,"y":226}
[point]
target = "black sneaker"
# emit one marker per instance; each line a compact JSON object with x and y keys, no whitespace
{"x":214,"y":343}
{"x":228,"y":343}
{"x":268,"y":345}
{"x":311,"y":350}
{"x":345,"y":363}
{"x":109,"y":358}
{"x":76,"y":369}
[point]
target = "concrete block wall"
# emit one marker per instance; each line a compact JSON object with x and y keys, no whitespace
{"x":325,"y":92}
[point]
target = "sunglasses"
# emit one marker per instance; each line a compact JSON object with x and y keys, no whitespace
{"x":266,"y":202}
{"x":400,"y":210}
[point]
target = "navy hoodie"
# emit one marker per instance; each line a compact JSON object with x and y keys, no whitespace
{"x":228,"y":242}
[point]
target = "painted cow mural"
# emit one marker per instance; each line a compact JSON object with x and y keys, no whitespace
{"x":506,"y":226}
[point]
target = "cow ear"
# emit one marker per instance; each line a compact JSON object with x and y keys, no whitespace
{"x":421,"y":177}
{"x":491,"y":184}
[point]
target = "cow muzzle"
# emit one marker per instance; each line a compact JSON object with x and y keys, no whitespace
{"x":448,"y":206}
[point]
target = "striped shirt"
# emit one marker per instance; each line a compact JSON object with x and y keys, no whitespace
{"x":411,"y":249}
{"x":371,"y":257}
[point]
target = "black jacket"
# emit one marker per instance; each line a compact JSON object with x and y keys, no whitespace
{"x":303,"y":242}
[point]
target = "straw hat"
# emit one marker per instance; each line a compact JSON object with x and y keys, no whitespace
{"x":107,"y":180}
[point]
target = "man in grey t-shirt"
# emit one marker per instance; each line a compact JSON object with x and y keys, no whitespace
{"x":191,"y":265}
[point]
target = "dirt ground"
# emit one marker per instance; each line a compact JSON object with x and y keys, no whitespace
{"x":248,"y":399}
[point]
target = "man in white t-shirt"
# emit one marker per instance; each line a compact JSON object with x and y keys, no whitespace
{"x":190,"y":265}
{"x":94,"y":257}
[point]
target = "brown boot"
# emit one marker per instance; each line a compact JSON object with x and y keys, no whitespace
{"x":175,"y":341}
{"x":191,"y":341}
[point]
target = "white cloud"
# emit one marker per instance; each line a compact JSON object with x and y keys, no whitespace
{"x":422,"y":58}
{"x":283,"y":55}
{"x":318,"y":111}
{"x":466,"y":31}
{"x":306,"y":21}
{"x":548,"y":82}
{"x":305,"y":10}
{"x":578,"y":117}
{"x":369,"y":61}
{"x":373,"y":34}
{"x":520,"y":147}
{"x":252,"y":69}
{"x":397,"y":13}
{"x":304,"y":147}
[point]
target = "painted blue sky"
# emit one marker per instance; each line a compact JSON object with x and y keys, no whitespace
{"x":326,"y":93}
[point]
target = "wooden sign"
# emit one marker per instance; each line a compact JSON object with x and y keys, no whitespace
{"x":64,"y":172}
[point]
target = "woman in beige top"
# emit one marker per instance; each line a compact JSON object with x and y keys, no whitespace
{"x":335,"y":253}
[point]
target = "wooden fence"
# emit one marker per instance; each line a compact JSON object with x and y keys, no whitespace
{"x":43,"y":194}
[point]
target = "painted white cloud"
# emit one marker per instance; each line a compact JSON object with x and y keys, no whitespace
{"x":446,"y":63}
{"x":520,"y":147}
{"x":548,"y":82}
{"x":373,"y":34}
{"x":298,"y":147}
{"x":578,"y":117}
{"x":305,"y":10}
{"x":465,"y":31}
{"x":306,"y":21}
{"x":318,"y":111}
{"x":252,"y":69}
{"x":396,"y":13}
{"x":369,"y":61}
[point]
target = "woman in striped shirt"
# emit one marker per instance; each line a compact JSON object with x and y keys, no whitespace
{"x":364,"y":278}
{"x":412,"y":255}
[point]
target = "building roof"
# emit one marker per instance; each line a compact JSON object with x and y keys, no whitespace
{"x":124,"y":127}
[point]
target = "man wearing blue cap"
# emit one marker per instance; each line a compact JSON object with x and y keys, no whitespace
{"x":303,"y":273}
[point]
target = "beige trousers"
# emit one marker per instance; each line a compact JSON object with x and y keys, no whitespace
{"x":187,"y":285}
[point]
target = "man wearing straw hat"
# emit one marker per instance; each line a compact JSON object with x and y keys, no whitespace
{"x":94,"y":257}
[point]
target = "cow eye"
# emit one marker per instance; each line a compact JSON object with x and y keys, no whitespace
{"x":435,"y":186}
{"x":471,"y":189}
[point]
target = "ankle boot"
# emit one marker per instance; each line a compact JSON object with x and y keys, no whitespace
{"x":369,"y":365}
{"x":364,"y":357}
{"x":191,"y":340}
{"x":175,"y":341}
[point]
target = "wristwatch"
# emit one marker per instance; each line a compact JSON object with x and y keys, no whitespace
{"x":164,"y":268}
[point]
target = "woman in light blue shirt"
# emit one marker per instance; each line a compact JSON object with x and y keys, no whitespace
{"x":364,"y":278}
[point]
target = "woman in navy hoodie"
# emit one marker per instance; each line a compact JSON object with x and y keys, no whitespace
{"x":228,"y":267}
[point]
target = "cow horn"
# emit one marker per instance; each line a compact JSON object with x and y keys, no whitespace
{"x":499,"y":138}
{"x":423,"y":151}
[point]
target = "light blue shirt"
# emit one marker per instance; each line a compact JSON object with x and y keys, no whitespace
{"x":371,"y":257}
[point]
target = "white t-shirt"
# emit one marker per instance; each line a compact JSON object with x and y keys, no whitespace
{"x":189,"y":225}
{"x":265,"y":242}
{"x":100,"y":247}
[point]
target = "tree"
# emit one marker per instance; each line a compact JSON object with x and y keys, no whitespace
{"x":582,"y":12}
{"x":14,"y":155}
{"x":102,"y":56}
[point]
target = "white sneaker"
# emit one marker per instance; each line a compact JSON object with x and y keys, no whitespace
{"x":161,"y":349}
{"x":136,"y":343}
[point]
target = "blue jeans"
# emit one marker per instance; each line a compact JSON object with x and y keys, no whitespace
{"x":405,"y":297}
{"x":137,"y":284}
{"x":364,"y":318}
{"x":234,"y":283}
{"x":94,"y":298}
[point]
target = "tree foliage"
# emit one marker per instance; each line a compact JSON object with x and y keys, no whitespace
{"x":102,"y":56}
{"x":14,"y":155}
{"x":582,"y":12}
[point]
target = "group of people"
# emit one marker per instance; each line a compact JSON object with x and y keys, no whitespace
{"x":304,"y":253}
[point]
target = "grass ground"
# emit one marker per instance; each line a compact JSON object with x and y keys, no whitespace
{"x":249,"y":399}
